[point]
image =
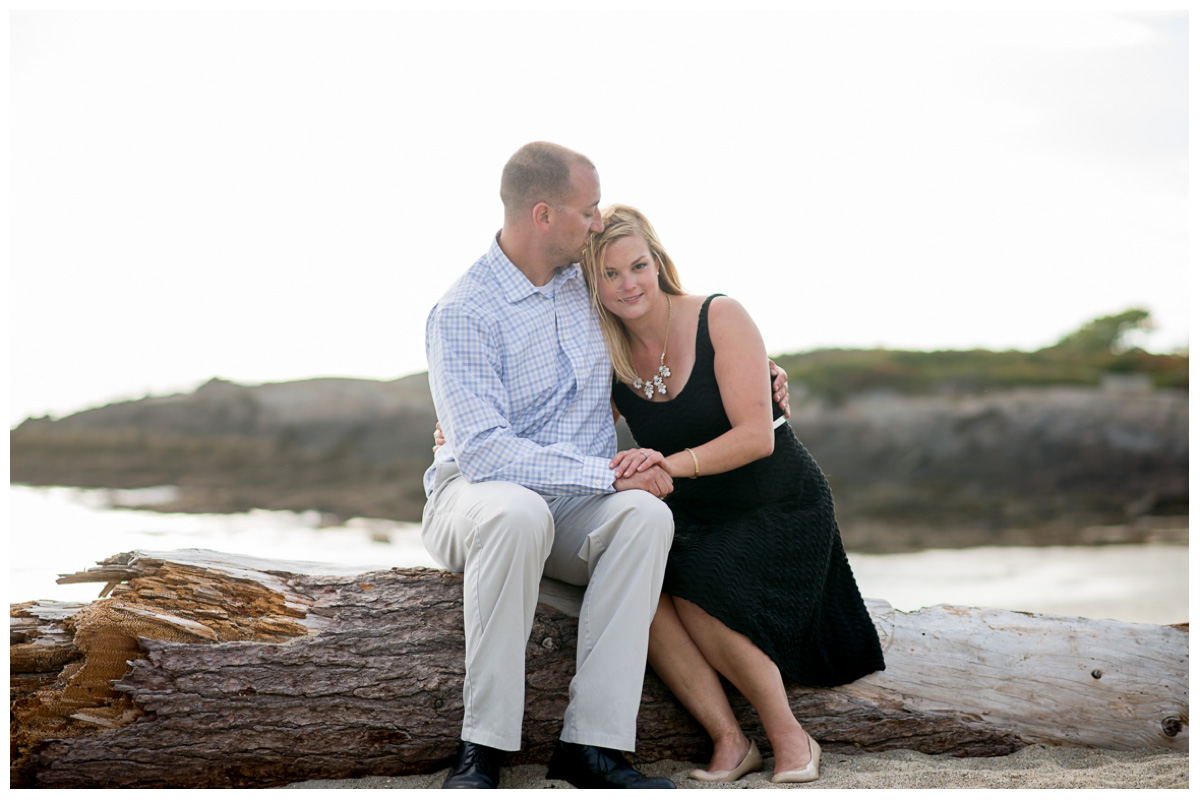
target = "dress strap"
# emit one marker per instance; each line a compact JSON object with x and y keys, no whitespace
{"x":702,"y":325}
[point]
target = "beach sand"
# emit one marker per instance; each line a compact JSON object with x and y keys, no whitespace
{"x":1035,"y":767}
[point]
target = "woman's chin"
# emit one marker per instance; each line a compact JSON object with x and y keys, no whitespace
{"x":625,"y":312}
{"x":618,"y":312}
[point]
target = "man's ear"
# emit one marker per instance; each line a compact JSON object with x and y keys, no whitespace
{"x":542,"y":214}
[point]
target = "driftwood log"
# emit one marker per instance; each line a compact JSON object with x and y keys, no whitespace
{"x":202,"y":669}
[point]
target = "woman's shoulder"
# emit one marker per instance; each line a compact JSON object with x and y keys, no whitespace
{"x":730,"y":328}
{"x":724,"y":311}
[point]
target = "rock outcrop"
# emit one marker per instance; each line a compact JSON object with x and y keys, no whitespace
{"x":1020,"y":466}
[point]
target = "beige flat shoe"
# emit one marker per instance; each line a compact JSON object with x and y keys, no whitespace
{"x":751,"y":763}
{"x":805,"y":775}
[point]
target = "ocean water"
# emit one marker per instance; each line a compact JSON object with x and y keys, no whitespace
{"x":57,"y":530}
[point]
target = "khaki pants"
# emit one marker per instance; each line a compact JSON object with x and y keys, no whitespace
{"x":502,"y":537}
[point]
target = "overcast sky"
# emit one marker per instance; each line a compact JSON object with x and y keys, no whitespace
{"x":268,"y":195}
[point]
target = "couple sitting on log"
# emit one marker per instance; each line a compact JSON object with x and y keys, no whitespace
{"x":711,"y":549}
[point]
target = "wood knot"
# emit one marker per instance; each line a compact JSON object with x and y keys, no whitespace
{"x":1172,"y":726}
{"x":1096,"y":674}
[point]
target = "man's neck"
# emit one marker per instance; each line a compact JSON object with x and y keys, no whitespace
{"x":525,"y":257}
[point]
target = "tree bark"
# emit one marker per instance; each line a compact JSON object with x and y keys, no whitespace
{"x":202,"y":669}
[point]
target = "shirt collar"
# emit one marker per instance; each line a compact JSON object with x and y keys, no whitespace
{"x":513,"y":283}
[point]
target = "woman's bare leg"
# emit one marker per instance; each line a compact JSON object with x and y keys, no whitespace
{"x":754,"y":674}
{"x":682,"y":667}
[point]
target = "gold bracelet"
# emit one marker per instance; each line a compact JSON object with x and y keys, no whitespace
{"x":694,"y":462}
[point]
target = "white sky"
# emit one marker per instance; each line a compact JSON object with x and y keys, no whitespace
{"x":268,"y":195}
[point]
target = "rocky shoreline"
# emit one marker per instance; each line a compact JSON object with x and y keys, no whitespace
{"x":1068,"y":465}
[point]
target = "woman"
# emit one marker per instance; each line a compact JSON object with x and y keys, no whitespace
{"x":757,"y":586}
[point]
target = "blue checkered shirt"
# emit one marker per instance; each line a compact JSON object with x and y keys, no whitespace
{"x":521,"y":380}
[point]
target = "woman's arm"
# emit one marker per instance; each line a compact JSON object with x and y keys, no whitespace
{"x":743,"y":378}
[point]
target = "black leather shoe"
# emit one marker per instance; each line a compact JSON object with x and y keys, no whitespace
{"x":587,"y":767}
{"x":478,"y":767}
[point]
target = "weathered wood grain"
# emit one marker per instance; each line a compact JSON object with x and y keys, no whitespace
{"x":204,"y":669}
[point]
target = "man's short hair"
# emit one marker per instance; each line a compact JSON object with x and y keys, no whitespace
{"x":540,"y":172}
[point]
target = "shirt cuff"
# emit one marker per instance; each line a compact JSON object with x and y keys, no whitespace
{"x":598,"y":475}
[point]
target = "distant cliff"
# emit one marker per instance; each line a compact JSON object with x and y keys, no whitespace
{"x":1033,"y":465}
{"x":345,"y":446}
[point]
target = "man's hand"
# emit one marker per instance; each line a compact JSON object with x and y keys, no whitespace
{"x":655,"y":480}
{"x":779,"y":388}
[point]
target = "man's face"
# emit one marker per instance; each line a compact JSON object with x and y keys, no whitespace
{"x":578,"y":216}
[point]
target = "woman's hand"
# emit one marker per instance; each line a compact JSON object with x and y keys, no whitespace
{"x":439,"y":438}
{"x":628,"y":462}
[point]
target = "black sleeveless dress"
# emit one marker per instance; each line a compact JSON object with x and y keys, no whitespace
{"x":758,"y":547}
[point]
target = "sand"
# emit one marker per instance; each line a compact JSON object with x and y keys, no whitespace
{"x":1035,"y":767}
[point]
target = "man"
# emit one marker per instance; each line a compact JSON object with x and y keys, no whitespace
{"x":521,"y":382}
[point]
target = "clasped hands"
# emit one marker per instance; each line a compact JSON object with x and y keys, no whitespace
{"x":642,"y":468}
{"x":645,"y":468}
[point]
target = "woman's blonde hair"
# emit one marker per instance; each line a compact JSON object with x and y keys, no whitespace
{"x":619,"y":222}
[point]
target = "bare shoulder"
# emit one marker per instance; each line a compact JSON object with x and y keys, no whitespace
{"x":740,"y":354}
{"x":726,"y":315}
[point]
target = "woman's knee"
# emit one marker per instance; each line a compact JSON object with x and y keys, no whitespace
{"x":664,"y":615}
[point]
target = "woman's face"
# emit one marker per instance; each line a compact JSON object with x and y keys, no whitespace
{"x":628,"y":284}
